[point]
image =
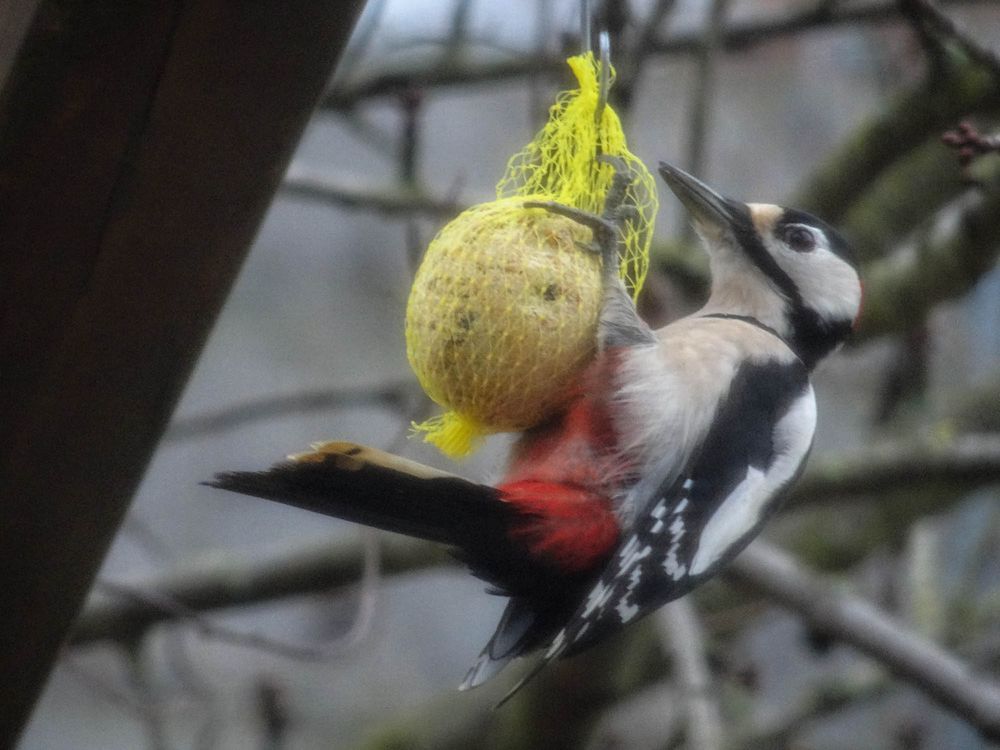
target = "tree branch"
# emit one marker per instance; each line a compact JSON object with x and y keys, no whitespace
{"x":902,"y":466}
{"x":305,"y":183}
{"x":763,"y":567}
{"x":394,"y":396}
{"x":824,"y":699}
{"x":914,"y":117}
{"x":218,"y":582}
{"x":737,"y":37}
{"x":222,"y":581}
{"x":854,"y":621}
{"x":900,"y":291}
{"x":679,"y":625}
{"x":925,"y":14}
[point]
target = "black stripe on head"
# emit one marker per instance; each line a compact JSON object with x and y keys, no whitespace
{"x":839,"y":246}
{"x":750,"y":242}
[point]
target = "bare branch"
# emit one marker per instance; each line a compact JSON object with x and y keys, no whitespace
{"x":679,"y":625}
{"x":763,"y":567}
{"x":703,"y":94}
{"x":911,"y":119}
{"x":140,"y":680}
{"x":923,"y":664}
{"x":632,"y":61}
{"x":178,"y":612}
{"x":219,"y":582}
{"x":737,"y":37}
{"x":902,"y":466}
{"x":827,"y":698}
{"x":305,"y":183}
{"x":930,"y":20}
{"x":704,"y":87}
{"x":902,"y":290}
{"x":393,"y":396}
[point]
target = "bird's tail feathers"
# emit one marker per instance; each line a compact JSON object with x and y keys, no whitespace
{"x":378,"y":489}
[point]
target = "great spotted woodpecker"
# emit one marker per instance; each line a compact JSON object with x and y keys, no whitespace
{"x":674,"y":448}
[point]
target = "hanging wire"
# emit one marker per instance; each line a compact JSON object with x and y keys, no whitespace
{"x":604,"y":82}
{"x":603,"y":55}
{"x":585,"y":27}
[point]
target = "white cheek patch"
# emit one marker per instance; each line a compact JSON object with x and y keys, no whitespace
{"x":826,"y":282}
{"x":741,"y":512}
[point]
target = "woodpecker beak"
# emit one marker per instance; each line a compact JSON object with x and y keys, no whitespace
{"x":707,"y":207}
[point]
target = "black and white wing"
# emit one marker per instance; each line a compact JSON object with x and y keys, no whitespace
{"x":696,"y":522}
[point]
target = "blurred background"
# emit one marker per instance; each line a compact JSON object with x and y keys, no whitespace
{"x":276,"y":628}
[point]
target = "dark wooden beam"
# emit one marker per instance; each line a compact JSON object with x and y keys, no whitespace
{"x":140,"y":145}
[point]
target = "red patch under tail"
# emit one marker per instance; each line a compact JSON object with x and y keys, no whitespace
{"x":565,"y":525}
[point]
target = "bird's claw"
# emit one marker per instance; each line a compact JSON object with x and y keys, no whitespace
{"x":586,"y":218}
{"x":605,"y":230}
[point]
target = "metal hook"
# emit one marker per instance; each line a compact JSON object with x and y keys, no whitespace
{"x":604,"y":82}
{"x":603,"y":56}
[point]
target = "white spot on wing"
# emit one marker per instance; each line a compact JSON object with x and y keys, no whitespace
{"x":631,"y":554}
{"x":677,"y":529}
{"x":557,"y":644}
{"x":626,"y":611}
{"x":674,"y":568}
{"x":597,"y":597}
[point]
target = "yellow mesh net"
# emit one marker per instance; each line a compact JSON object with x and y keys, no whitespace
{"x":503,"y":311}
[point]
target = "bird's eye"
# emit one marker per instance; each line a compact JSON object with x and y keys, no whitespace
{"x":800,"y":239}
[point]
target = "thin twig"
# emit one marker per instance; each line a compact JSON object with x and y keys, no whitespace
{"x":178,"y":658}
{"x":764,"y":568}
{"x":704,"y":88}
{"x":178,"y":612}
{"x":679,"y":625}
{"x":218,"y":582}
{"x":632,"y":63}
{"x":369,"y":132}
{"x":102,"y":686}
{"x":970,"y":145}
{"x":411,"y":108}
{"x":393,"y":396}
{"x":305,"y":183}
{"x":140,"y":680}
{"x":457,"y":35}
{"x":824,"y":699}
{"x":702,"y":94}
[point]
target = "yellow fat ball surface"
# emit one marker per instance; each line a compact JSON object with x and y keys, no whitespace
{"x":503,"y":313}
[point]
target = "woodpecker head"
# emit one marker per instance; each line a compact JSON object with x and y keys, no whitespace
{"x":783,"y":267}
